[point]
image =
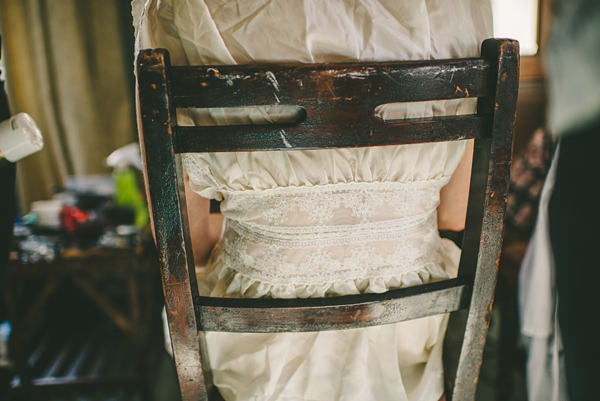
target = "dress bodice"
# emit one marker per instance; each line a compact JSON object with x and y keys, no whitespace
{"x":327,"y":222}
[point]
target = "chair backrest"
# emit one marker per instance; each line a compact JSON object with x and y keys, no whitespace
{"x":338,"y":101}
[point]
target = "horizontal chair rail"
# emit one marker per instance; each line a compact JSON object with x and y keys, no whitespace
{"x":362,"y":132}
{"x":342,"y":83}
{"x":319,"y":314}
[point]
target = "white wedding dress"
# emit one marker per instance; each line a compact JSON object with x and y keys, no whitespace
{"x":324,"y":223}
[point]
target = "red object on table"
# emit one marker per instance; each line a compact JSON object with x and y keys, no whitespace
{"x":72,"y":218}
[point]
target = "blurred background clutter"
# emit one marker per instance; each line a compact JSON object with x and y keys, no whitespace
{"x":81,"y":298}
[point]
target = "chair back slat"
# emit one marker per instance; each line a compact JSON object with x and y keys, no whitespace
{"x":327,"y":133}
{"x":329,"y":86}
{"x":339,"y":313}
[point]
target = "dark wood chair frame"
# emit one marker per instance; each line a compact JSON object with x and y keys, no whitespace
{"x":339,"y":100}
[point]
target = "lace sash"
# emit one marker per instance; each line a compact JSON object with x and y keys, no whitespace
{"x":331,"y":233}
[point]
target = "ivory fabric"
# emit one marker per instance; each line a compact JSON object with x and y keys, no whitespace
{"x":324,"y":222}
{"x":538,"y":306}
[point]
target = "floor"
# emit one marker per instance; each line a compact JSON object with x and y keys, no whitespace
{"x":489,"y":388}
{"x":74,"y":352}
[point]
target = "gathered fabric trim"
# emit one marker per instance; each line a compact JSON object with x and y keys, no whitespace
{"x":199,"y":172}
{"x":235,"y":283}
{"x":344,"y":186}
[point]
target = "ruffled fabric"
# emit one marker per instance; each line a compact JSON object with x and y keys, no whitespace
{"x":213,"y":174}
{"x":216,"y":279}
{"x":395,"y":362}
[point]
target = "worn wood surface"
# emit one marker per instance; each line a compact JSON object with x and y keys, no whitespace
{"x":485,"y":218}
{"x":338,"y":102}
{"x":323,"y":87}
{"x":348,"y":131}
{"x":164,"y":181}
{"x":339,"y":313}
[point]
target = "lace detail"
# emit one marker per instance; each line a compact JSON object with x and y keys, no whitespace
{"x":333,"y":205}
{"x":318,"y":237}
{"x":317,"y":210}
{"x":328,"y":263}
{"x":311,"y":235}
{"x":329,"y":234}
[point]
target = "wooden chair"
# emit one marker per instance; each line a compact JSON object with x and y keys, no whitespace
{"x":345,"y":119}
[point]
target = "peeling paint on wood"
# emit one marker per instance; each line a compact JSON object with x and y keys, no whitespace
{"x":485,"y":218}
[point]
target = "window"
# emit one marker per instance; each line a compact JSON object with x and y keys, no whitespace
{"x":517,"y":19}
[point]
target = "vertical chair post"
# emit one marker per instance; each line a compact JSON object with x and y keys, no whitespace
{"x":487,"y":204}
{"x":164,"y":185}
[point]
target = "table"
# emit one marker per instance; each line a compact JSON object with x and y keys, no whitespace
{"x":132,"y":272}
